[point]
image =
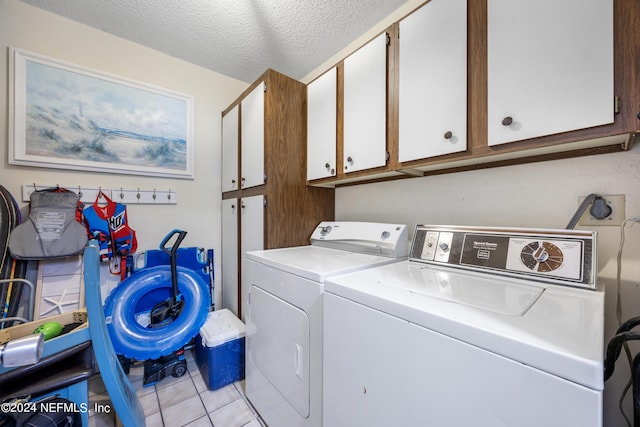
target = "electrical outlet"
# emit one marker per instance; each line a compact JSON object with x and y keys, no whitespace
{"x":616,"y":202}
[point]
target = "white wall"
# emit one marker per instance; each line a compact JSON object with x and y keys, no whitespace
{"x":542,"y":195}
{"x":198,"y":208}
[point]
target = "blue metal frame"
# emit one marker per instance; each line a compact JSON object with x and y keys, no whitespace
{"x":120,"y":390}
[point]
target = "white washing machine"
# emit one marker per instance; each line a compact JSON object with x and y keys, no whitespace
{"x":284,"y":316}
{"x":480,"y":327}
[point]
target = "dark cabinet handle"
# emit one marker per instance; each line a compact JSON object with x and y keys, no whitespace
{"x":350,"y":161}
{"x":327,"y":166}
{"x":507,"y":121}
{"x":448,"y":135}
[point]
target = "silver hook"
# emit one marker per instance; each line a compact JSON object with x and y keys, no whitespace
{"x":138,"y":194}
{"x":154,"y":194}
{"x":121,"y":194}
{"x":79,"y":193}
{"x":169,"y":195}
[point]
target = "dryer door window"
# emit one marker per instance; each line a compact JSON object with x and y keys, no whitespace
{"x":279,"y":346}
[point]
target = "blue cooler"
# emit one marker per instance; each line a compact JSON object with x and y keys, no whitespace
{"x":220,"y":349}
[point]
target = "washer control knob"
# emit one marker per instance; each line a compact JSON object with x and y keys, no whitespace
{"x":541,"y":255}
{"x":444,"y":247}
{"x":325,"y":230}
{"x":385,"y":234}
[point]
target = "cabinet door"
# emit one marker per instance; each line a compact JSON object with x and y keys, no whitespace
{"x":321,"y":126}
{"x":433,"y":80}
{"x":252,"y":235}
{"x":230,"y":150}
{"x":550,"y":67}
{"x":365,"y":106}
{"x":229,"y":257}
{"x":252,"y":138}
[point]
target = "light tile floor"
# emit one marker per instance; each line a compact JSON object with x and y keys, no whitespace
{"x":183,"y":401}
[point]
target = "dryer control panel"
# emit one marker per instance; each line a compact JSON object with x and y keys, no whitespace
{"x":565,"y":257}
{"x":374,"y":238}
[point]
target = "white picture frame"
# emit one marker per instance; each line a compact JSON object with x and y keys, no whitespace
{"x":66,"y":116}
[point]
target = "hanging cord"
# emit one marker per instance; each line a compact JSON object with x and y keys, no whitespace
{"x":583,"y":207}
{"x":627,"y":351}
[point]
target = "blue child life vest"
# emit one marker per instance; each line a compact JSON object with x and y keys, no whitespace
{"x":108,"y":225}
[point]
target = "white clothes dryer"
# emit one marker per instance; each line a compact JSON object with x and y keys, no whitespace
{"x":284,"y":317}
{"x":480,"y":327}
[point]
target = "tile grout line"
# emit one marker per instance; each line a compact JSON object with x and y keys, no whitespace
{"x":155,"y":390}
{"x":199,"y":394}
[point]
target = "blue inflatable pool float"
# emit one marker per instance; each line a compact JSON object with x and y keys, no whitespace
{"x":128,"y":306}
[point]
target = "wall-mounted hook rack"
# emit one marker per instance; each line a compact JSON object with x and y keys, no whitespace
{"x":142,"y":197}
{"x":86,"y":194}
{"x":120,"y":195}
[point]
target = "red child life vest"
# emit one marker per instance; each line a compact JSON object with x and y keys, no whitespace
{"x":107,"y":223}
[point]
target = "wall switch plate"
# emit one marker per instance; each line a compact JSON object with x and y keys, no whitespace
{"x":617,"y":217}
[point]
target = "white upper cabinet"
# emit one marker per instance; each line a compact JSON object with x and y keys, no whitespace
{"x":365,"y":106}
{"x":230,"y":150}
{"x":321,"y":126}
{"x":252,"y":145}
{"x":550,"y":67}
{"x":433,"y":80}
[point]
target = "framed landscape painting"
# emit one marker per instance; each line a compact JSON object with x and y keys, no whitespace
{"x":69,"y":117}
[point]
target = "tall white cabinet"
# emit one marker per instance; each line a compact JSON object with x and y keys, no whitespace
{"x":252,"y":124}
{"x":229,"y":255}
{"x":550,"y":67}
{"x":433,"y":80}
{"x":230,"y":150}
{"x":252,"y":236}
{"x":272,"y":206}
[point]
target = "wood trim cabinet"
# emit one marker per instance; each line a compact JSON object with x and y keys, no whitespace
{"x":550,"y":67}
{"x":321,"y":126}
{"x":364,"y":101}
{"x":432,"y":113}
{"x":290,"y":208}
{"x":616,"y":132}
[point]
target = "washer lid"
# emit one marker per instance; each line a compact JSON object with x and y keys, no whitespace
{"x":561,"y":332}
{"x":489,"y":293}
{"x":317,"y":263}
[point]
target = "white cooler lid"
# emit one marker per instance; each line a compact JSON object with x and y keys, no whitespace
{"x":221,"y":326}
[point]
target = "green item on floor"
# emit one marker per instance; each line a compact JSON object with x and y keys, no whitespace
{"x":49,"y":330}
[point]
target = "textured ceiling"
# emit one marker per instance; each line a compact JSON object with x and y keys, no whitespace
{"x":238,"y":38}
